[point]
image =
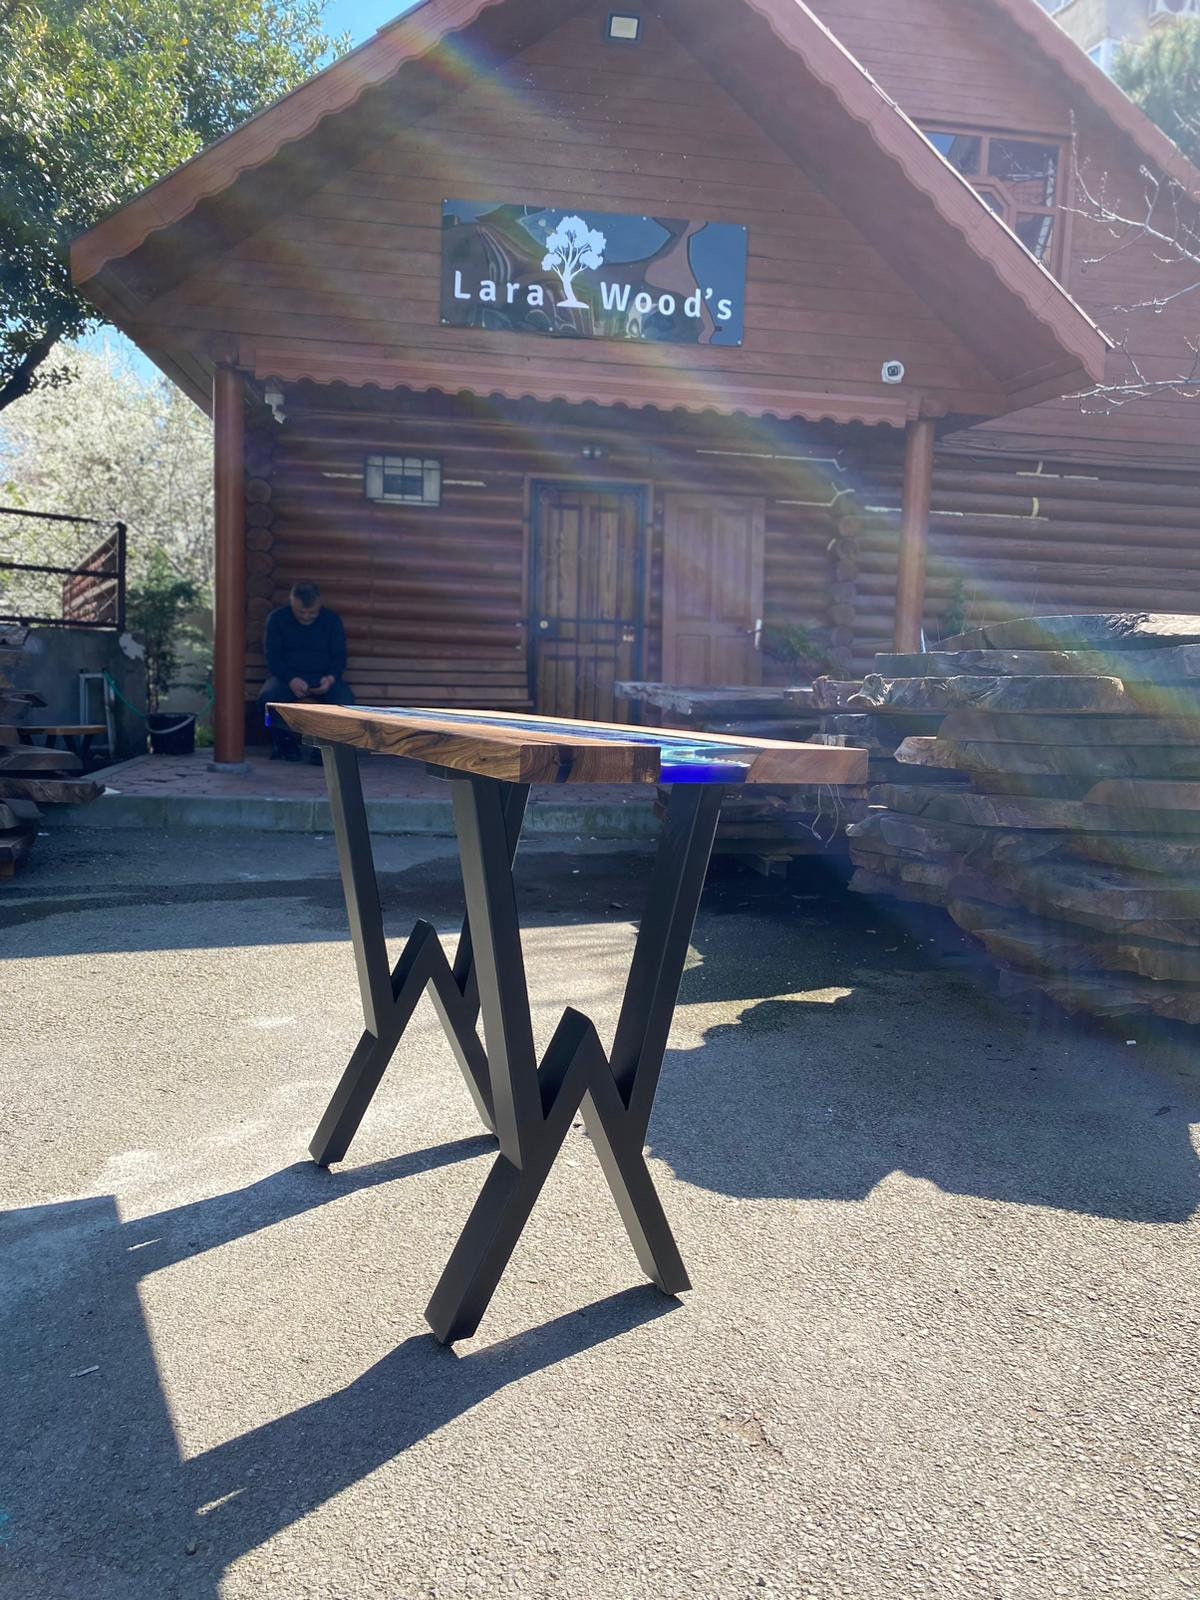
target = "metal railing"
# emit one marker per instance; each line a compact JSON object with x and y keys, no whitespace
{"x":91,"y":593}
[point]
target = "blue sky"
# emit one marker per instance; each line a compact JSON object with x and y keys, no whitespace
{"x":358,"y":18}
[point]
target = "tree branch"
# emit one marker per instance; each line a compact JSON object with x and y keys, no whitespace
{"x":1164,"y":222}
{"x":25,"y":372}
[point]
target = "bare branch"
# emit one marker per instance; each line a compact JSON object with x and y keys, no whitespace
{"x":1165,"y":221}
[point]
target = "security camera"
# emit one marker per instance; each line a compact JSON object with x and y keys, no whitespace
{"x":893,"y":372}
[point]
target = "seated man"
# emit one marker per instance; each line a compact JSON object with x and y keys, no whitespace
{"x":305,"y":647}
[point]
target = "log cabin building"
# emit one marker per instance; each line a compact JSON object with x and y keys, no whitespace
{"x":564,"y":343}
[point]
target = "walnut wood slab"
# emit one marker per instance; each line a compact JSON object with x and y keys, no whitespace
{"x":1178,"y":665}
{"x":32,"y":758}
{"x":1134,"y":630}
{"x":535,"y":750}
{"x":50,"y":791}
{"x":18,"y":814}
{"x":1162,"y":795}
{"x":716,"y":703}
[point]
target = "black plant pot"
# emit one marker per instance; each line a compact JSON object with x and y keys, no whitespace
{"x":171,"y":734}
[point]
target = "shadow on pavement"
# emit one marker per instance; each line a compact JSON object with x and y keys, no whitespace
{"x":852,"y":1056}
{"x":95,"y":1497}
{"x":859,"y":1052}
{"x":250,"y":910}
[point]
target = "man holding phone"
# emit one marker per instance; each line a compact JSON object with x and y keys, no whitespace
{"x":305,"y":647}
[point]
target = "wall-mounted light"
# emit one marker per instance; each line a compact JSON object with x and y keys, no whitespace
{"x":624,"y":28}
{"x":273,"y":396}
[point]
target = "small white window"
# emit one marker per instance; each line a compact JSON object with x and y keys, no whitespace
{"x":624,"y":28}
{"x":404,"y":480}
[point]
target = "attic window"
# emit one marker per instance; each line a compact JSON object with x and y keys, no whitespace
{"x":624,"y":28}
{"x":404,"y":480}
{"x":1016,"y":178}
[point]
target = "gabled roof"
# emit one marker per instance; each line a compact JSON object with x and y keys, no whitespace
{"x":262,"y":137}
{"x":1091,"y":84}
{"x":810,"y":96}
{"x":876,"y":167}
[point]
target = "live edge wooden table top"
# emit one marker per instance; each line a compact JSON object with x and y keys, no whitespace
{"x":490,"y":760}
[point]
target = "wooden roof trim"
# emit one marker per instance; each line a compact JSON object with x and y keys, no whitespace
{"x":899,"y":138}
{"x":1098,"y":88}
{"x":745,"y":401}
{"x":259,"y":139}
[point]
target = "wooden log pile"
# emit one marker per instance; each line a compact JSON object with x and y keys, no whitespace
{"x":1052,"y":802}
{"x":29,"y":777}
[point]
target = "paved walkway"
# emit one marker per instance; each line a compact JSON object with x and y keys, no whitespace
{"x":285,"y":796}
{"x":942,"y":1344}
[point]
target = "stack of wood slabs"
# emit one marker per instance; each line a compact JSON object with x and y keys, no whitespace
{"x":764,"y":826}
{"x":768,"y":828}
{"x":864,"y":714}
{"x":765,"y":711}
{"x":1070,"y":845}
{"x":29,"y":777}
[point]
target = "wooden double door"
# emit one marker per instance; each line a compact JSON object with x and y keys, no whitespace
{"x":588,"y":591}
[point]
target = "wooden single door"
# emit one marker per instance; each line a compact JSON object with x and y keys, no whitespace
{"x":712,"y":589}
{"x":587,"y":589}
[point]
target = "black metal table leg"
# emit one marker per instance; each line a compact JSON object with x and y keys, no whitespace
{"x":390,"y":995}
{"x":495,"y":935}
{"x":535,"y":1107}
{"x":664,"y":934}
{"x":530,"y":1106}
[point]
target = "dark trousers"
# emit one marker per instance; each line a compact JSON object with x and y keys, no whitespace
{"x":339,"y":694}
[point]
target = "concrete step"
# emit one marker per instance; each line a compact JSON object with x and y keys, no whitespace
{"x":592,"y":819}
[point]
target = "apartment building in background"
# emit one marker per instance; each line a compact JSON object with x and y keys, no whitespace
{"x":1101,"y":27}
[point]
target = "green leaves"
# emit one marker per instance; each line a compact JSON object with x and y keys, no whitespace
{"x":1162,"y":76}
{"x":97,"y":102}
{"x":154,"y":609}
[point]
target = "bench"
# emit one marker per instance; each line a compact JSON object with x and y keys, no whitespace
{"x":486,"y":683}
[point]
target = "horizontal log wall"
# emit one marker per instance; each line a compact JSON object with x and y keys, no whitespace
{"x":435,"y":600}
{"x":1029,"y":536}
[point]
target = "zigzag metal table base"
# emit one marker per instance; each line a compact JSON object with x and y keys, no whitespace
{"x":529,"y":1106}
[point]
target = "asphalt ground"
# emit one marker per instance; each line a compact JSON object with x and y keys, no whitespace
{"x":943,"y":1337}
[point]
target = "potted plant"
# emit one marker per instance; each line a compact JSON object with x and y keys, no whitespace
{"x":953,"y":619}
{"x":154,"y":610}
{"x":804,"y":651}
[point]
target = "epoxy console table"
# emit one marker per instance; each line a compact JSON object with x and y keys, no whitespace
{"x":490,"y":761}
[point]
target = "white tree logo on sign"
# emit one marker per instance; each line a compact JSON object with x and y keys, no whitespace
{"x":572,"y":247}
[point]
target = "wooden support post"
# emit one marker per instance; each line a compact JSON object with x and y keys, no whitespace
{"x":914,"y":534}
{"x":229,"y":586}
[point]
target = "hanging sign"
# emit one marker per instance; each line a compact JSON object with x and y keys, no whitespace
{"x":592,"y":274}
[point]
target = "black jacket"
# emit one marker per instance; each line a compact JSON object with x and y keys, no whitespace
{"x":310,"y":651}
